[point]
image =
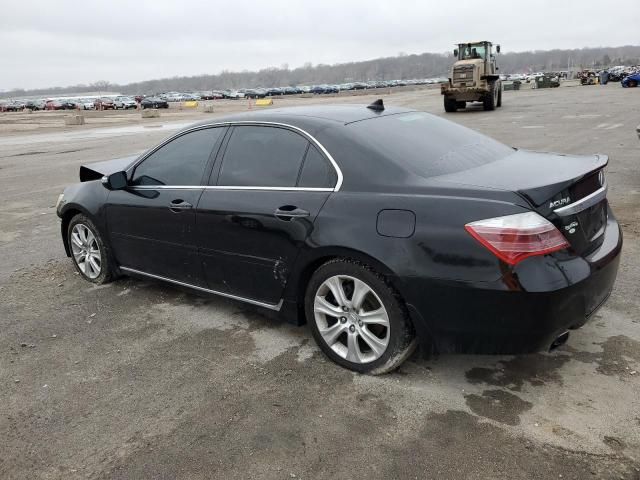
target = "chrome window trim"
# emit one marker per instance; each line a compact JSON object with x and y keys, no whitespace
{"x":306,"y":134}
{"x":270,"y":306}
{"x":584,"y":203}
{"x":221,"y":187}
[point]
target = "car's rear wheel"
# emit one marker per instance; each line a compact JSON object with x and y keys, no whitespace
{"x":357,"y":319}
{"x":89,"y":253}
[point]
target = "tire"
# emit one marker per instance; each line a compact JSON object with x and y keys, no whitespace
{"x":632,"y":83}
{"x":450,"y":105}
{"x":489,"y":101}
{"x":499,"y":102}
{"x":347,"y":337}
{"x":78,"y":244}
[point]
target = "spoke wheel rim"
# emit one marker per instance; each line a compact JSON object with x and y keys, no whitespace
{"x":351,"y":319}
{"x":85,"y":250}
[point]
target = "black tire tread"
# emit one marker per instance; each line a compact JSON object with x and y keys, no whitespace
{"x":489,"y":100}
{"x":450,"y":105}
{"x":108,"y":271}
{"x":407,"y":343}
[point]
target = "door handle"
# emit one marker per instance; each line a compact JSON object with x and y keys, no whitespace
{"x":179,"y":205}
{"x":289,"y":212}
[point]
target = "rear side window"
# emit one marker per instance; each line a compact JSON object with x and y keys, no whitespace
{"x":427,"y":145}
{"x":317,"y":172}
{"x":262,"y":157}
{"x":180,"y":162}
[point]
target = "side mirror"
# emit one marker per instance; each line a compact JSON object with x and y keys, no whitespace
{"x":498,"y":48}
{"x":115,"y":181}
{"x":455,"y":53}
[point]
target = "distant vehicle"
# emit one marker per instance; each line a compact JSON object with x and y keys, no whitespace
{"x":631,"y":80}
{"x":324,"y":88}
{"x":104,"y":103}
{"x":474,"y":78}
{"x":87,"y":103}
{"x":209,"y":95}
{"x":172,"y":97}
{"x":35,"y":105}
{"x":233,"y":94}
{"x":547,"y":80}
{"x":9,"y":107}
{"x":191,"y":97}
{"x":587,"y":77}
{"x":60,"y":105}
{"x":125,"y":103}
{"x":154,"y":102}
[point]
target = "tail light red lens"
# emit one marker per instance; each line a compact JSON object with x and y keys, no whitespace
{"x":515,"y":237}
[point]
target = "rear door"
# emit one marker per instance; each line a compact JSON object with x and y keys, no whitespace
{"x":152,"y":223}
{"x":260,"y":208}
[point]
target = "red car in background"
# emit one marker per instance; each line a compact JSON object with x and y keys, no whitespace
{"x":59,"y":105}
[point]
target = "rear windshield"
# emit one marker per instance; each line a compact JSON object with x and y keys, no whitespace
{"x":427,"y":145}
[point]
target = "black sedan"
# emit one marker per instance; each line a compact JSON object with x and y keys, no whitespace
{"x":154,"y":102}
{"x":382,"y":229}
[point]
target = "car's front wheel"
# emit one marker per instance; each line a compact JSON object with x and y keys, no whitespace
{"x":357,"y":319}
{"x":89,"y":253}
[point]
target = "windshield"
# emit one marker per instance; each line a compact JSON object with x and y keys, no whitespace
{"x":427,"y":145}
{"x":472,"y":50}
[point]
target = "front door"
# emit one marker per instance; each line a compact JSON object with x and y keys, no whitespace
{"x":152,"y":222}
{"x":252,"y":221}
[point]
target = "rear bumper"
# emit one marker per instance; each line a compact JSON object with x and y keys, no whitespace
{"x":523,"y":313}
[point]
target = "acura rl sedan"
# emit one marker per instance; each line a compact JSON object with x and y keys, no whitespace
{"x":383,"y":229}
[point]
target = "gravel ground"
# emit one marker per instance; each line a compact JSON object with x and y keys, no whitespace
{"x":140,"y":380}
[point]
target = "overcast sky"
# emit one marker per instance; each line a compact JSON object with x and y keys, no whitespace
{"x":47,"y":43}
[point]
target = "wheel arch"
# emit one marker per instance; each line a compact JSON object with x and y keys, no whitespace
{"x":307,"y":264}
{"x":69,"y":212}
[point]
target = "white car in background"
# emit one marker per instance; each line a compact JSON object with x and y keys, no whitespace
{"x":87,"y":103}
{"x":173,"y":97}
{"x":124,"y":103}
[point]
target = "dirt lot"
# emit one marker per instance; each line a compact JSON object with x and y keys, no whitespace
{"x":139,"y":380}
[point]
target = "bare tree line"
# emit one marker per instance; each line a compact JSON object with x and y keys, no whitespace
{"x":403,"y":66}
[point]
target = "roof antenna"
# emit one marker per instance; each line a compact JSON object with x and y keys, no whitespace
{"x":377,"y":106}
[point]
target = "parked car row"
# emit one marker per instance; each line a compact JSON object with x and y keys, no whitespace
{"x":162,"y":100}
{"x":261,"y":92}
{"x":101,"y":103}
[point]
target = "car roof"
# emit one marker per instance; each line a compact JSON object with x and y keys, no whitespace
{"x":303,"y":116}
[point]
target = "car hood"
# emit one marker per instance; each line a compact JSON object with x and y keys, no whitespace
{"x":95,"y":171}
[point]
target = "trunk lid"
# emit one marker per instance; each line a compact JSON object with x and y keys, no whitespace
{"x":568,"y":190}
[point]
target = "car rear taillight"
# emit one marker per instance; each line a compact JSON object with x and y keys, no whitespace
{"x":515,"y":237}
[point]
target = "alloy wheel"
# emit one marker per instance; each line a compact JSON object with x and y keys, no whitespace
{"x":86,"y":251}
{"x":351,"y":319}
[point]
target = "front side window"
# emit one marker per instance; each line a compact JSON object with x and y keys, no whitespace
{"x":181,"y":162}
{"x":262,"y":157}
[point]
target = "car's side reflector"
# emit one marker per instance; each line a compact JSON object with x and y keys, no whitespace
{"x":515,"y":237}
